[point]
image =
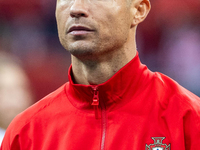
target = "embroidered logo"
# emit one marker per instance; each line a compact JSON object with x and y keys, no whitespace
{"x":158,"y":145}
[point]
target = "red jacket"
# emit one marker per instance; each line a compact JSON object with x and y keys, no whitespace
{"x":134,"y":110}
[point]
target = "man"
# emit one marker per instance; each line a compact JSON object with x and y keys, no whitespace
{"x":112,"y":101}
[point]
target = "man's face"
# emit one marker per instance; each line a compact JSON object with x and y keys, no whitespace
{"x":93,"y":27}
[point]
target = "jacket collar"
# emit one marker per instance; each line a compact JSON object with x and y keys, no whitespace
{"x":119,"y":89}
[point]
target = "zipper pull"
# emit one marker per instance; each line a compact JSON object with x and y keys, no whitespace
{"x":95,"y":102}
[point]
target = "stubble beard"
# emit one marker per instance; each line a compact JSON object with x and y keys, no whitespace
{"x":91,"y":49}
{"x":82,"y":49}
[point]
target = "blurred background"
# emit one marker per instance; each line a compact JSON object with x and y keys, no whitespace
{"x":168,"y":42}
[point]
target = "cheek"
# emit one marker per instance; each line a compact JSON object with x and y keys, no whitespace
{"x":116,"y":18}
{"x":62,"y":15}
{"x":61,"y":23}
{"x":123,"y":24}
{"x":114,"y":26}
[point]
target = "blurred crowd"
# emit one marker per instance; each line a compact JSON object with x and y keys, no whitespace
{"x":28,"y":31}
{"x":168,"y":42}
{"x":15,"y":90}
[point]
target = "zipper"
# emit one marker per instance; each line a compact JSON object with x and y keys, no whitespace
{"x":95,"y":102}
{"x":104,"y":125}
{"x":98,"y":115}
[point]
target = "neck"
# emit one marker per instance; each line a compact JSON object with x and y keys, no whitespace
{"x":97,"y":71}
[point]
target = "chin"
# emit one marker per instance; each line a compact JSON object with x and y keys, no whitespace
{"x":82,"y":51}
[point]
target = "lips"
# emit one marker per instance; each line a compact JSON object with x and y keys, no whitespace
{"x":79,"y":29}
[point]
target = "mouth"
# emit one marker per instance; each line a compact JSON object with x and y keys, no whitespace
{"x":79,"y":30}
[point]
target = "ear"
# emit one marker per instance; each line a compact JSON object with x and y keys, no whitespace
{"x":140,"y":10}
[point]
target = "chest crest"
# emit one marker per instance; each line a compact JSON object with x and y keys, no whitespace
{"x":158,"y":144}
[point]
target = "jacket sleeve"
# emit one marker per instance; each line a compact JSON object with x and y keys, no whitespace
{"x":10,"y":143}
{"x":11,"y":138}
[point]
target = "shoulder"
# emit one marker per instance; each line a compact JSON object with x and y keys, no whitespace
{"x":180,"y":109}
{"x":46,"y":106}
{"x":172,"y":92}
{"x":48,"y":101}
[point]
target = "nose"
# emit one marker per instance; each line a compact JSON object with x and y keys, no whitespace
{"x":79,"y":9}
